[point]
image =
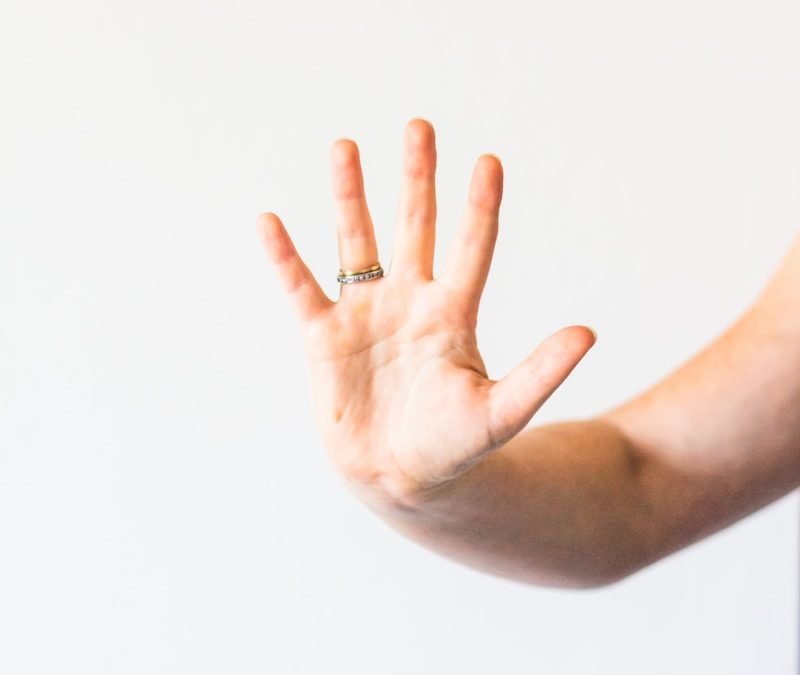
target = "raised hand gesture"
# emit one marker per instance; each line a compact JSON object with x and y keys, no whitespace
{"x":401,"y":394}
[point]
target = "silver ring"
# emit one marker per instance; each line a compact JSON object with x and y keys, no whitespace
{"x":373,"y":272}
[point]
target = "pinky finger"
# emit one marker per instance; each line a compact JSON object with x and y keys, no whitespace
{"x":306,"y":295}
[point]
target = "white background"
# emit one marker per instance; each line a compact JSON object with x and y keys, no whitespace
{"x":165,"y":502}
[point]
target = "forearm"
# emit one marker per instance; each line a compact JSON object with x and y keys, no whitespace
{"x":719,"y":437}
{"x":559,"y":504}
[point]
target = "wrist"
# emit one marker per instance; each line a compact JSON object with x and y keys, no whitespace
{"x":446,"y":504}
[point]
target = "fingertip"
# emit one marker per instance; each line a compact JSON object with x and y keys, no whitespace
{"x":419,"y":132}
{"x":268,"y":225}
{"x":419,"y":151}
{"x":588,"y":332}
{"x":274,"y":237}
{"x":418,"y":119}
{"x":486,"y":187}
{"x":343,"y":150}
{"x":585,"y":336}
{"x":491,"y":167}
{"x":490,"y":156}
{"x":266,"y":220}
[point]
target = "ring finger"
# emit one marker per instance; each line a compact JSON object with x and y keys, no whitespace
{"x":355,"y":232}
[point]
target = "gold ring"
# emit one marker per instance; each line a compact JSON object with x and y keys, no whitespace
{"x":349,"y":273}
{"x":352,"y":276}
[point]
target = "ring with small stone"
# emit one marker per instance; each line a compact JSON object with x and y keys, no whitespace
{"x":352,"y":276}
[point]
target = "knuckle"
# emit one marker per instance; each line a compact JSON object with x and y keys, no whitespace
{"x":295,"y":281}
{"x":348,"y":186}
{"x":419,"y":215}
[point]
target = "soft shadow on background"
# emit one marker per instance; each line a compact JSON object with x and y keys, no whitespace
{"x":165,"y":502}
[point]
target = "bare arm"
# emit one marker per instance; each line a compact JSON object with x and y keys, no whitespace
{"x":441,"y":451}
{"x":720,"y":437}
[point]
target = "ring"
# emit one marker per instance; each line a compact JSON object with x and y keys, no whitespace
{"x":352,"y":276}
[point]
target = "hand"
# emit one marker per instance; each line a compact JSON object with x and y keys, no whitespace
{"x":400,"y":391}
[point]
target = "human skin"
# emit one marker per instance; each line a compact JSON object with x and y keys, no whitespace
{"x":444,"y":454}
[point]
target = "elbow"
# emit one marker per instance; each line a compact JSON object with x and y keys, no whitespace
{"x":596,"y":581}
{"x":595,"y":574}
{"x":574,"y":580}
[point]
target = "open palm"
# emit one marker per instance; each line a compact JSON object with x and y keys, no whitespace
{"x":400,"y":391}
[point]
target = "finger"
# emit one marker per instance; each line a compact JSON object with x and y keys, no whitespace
{"x":355,"y":233}
{"x":307,"y":297}
{"x":515,"y":398}
{"x":415,"y":232}
{"x":468,"y":261}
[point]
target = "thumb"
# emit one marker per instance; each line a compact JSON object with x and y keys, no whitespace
{"x":515,"y":398}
